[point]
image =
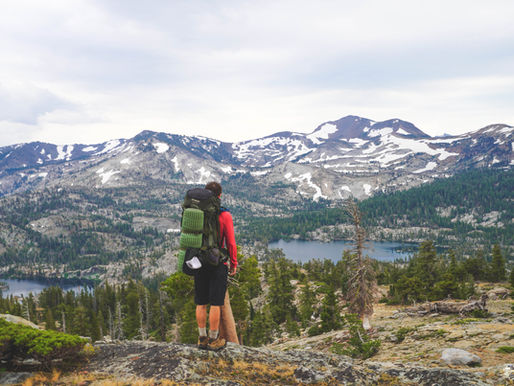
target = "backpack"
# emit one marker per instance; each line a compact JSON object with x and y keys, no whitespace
{"x":200,"y":231}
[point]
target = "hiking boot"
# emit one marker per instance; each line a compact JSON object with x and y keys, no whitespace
{"x":203,"y":342}
{"x":216,"y":344}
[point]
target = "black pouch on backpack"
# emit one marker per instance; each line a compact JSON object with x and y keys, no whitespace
{"x":187,"y":266}
{"x":213,"y":257}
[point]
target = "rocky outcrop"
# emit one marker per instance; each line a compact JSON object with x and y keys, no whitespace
{"x":455,"y":356}
{"x":18,"y":320}
{"x":245,"y":365}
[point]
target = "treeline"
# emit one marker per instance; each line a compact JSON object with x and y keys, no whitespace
{"x":127,"y":312}
{"x":476,"y":192}
{"x":429,"y":276}
{"x":274,"y":298}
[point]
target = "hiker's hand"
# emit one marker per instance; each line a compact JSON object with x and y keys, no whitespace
{"x":232,"y":271}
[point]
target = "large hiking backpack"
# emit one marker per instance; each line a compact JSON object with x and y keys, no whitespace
{"x":200,"y":230}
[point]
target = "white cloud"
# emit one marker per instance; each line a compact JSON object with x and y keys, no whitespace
{"x":87,"y":71}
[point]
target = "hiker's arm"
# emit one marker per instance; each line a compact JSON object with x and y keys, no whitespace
{"x":230,"y":240}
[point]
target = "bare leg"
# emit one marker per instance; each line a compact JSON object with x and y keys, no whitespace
{"x":214,"y":318}
{"x":201,"y":316}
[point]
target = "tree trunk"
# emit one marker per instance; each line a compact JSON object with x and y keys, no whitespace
{"x":228,"y":325}
{"x":450,"y":307}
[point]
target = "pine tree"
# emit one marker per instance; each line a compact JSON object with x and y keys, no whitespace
{"x":307,"y":301}
{"x":280,"y":296}
{"x":188,"y":329}
{"x":49,"y":320}
{"x":497,"y":270}
{"x":249,"y":277}
{"x":362,"y":279}
{"x":330,"y":313}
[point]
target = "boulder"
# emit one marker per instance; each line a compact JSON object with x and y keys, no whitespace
{"x":456,"y":356}
{"x":19,"y":320}
{"x":498,"y":293}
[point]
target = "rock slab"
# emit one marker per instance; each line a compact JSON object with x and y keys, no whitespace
{"x":241,"y":365}
{"x":458,"y":357}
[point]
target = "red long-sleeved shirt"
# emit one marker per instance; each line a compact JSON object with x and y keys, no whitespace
{"x":228,"y":239}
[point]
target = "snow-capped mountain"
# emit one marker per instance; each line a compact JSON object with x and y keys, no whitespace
{"x":350,"y":156}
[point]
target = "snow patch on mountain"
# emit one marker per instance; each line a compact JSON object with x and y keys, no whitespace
{"x":87,"y":149}
{"x":106,"y":176}
{"x":416,"y":146}
{"x":126,"y":161}
{"x":367,"y":189}
{"x":307,"y":178}
{"x":380,"y":132}
{"x":203,"y":175}
{"x":176,"y":165}
{"x":161,"y":147}
{"x":358,"y":142}
{"x":402,"y":132}
{"x":259,"y":173}
{"x":109,"y":147}
{"x":322,"y":133}
{"x":429,"y":166}
{"x":64,"y":154}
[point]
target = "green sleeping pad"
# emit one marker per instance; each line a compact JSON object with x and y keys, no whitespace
{"x":192,"y":220}
{"x":190,"y":240}
{"x":180,"y":262}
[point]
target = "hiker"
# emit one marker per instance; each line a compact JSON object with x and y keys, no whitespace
{"x":211,"y":284}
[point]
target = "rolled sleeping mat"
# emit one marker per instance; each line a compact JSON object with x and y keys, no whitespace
{"x":180,"y":261}
{"x":190,"y":240}
{"x":192,"y":220}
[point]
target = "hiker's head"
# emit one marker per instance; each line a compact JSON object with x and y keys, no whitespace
{"x":214,"y":187}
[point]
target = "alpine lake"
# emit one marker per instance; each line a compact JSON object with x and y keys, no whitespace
{"x":296,"y":250}
{"x":302,"y":251}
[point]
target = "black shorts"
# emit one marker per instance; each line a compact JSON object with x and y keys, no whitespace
{"x":211,"y":285}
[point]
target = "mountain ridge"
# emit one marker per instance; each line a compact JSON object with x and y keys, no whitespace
{"x":349,"y":156}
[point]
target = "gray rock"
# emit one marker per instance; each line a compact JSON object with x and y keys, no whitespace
{"x":456,"y":356}
{"x":508,"y":372}
{"x":237,"y":365}
{"x":19,"y":320}
{"x":10,"y":378}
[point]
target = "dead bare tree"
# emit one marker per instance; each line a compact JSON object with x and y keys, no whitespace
{"x":361,"y":276}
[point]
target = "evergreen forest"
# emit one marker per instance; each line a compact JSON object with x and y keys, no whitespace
{"x":270,"y":299}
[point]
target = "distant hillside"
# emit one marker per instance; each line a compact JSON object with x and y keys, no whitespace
{"x":476,"y":204}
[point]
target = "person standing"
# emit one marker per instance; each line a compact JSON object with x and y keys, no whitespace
{"x":211,"y":284}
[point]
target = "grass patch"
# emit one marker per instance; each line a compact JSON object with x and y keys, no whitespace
{"x":253,"y":373}
{"x":431,"y":334}
{"x":466,"y":321}
{"x":505,"y":349}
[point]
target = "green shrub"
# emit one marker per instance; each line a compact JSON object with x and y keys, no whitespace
{"x":360,"y":345}
{"x":314,"y":330}
{"x":18,"y":342}
{"x":481,"y":314}
{"x":402,"y":333}
{"x":505,"y":349}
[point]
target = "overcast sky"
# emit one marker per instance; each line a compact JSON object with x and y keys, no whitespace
{"x":91,"y":70}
